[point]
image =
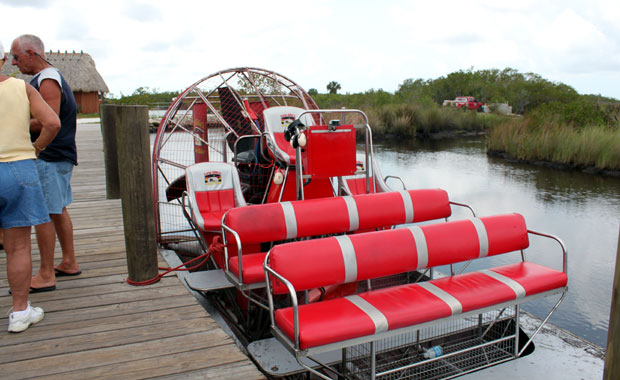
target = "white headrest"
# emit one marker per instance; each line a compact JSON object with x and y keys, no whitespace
{"x":208,"y":176}
{"x":278,"y":118}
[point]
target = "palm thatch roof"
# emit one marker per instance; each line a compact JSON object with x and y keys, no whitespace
{"x":78,"y":69}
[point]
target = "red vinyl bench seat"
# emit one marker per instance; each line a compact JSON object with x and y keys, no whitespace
{"x":278,"y":222}
{"x":344,"y":259}
{"x":252,"y":271}
{"x":412,"y":304}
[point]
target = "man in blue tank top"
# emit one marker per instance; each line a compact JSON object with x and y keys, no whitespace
{"x":55,"y":163}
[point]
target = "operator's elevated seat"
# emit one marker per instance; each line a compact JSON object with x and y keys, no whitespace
{"x":276,"y":121}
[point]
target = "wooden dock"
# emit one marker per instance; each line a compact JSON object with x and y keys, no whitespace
{"x":98,"y":326}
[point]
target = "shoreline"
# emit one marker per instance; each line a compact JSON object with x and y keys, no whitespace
{"x":555,"y":165}
{"x":502,"y":154}
{"x":468,"y":133}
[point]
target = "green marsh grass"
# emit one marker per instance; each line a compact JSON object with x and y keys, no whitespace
{"x":411,"y":120}
{"x":587,"y":146}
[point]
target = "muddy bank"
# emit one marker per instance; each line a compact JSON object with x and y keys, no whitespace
{"x":555,"y":165}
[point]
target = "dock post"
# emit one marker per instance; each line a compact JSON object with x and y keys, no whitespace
{"x":136,"y":189}
{"x":110,"y":156}
{"x":612,"y":357}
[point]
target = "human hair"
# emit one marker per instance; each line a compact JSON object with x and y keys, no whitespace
{"x":30,"y":41}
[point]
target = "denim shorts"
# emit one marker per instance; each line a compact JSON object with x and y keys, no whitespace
{"x":56,"y":184}
{"x":21,"y":198}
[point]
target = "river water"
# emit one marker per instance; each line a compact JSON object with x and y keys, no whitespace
{"x":582,"y":209}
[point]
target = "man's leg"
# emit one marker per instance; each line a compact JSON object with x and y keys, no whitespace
{"x":46,"y":240}
{"x":18,"y":264}
{"x":64,"y":230}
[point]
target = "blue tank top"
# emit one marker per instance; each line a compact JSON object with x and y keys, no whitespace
{"x":62,"y":148}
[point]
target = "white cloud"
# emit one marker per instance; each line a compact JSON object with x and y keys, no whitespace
{"x":143,"y":11}
{"x":361,"y":44}
{"x":26,"y":3}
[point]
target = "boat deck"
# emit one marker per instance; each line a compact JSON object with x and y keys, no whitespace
{"x":98,"y":326}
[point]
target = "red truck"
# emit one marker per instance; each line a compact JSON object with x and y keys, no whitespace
{"x":464,"y":103}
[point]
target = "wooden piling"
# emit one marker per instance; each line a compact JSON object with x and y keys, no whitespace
{"x":133,"y":145}
{"x":110,"y":155}
{"x":612,"y":357}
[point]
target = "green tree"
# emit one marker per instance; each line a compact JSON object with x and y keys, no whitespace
{"x":333,"y":87}
{"x":145,"y":96}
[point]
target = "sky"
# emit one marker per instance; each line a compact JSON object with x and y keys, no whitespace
{"x":168,"y":45}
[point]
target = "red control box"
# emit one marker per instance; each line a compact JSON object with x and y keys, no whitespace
{"x":329,"y":152}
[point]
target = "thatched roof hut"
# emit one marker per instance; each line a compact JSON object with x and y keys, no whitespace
{"x":80,"y":72}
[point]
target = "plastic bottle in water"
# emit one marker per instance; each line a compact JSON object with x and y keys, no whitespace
{"x":433,"y":352}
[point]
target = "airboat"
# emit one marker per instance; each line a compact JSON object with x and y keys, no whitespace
{"x":320,"y":265}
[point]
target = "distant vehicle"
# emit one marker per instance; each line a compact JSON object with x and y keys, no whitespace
{"x":464,"y":103}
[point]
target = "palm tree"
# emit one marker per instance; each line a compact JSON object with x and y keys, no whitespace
{"x":333,"y":87}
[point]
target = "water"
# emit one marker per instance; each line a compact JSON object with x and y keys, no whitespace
{"x":582,"y":209}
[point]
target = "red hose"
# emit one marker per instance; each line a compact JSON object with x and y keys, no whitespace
{"x":168,"y":270}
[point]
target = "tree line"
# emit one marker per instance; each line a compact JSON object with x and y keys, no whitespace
{"x":144,"y":96}
{"x":559,"y":124}
{"x":525,"y":92}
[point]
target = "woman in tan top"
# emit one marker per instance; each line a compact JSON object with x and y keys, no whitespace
{"x":21,"y":198}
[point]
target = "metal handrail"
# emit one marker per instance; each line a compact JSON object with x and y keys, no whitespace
{"x":464,"y":205}
{"x":293,"y":296}
{"x":395,"y":177}
{"x":557,"y":239}
{"x":342,"y":111}
{"x":186,"y":202}
{"x":238,"y":241}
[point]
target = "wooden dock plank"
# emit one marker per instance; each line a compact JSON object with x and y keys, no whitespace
{"x":98,"y":326}
{"x":176,"y":366}
{"x":101,"y":324}
{"x":72,"y":316}
{"x":126,"y":353}
{"x":109,"y":338}
{"x":54,"y":301}
{"x":243,"y":369}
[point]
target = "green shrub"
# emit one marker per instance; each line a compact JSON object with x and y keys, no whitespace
{"x":578,"y":113}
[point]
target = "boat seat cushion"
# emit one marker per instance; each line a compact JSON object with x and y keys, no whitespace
{"x":315,"y":217}
{"x":212,"y":205}
{"x":274,"y":222}
{"x":383,"y":253}
{"x":406,"y":305}
{"x":356,"y":184}
{"x":253,"y":272}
